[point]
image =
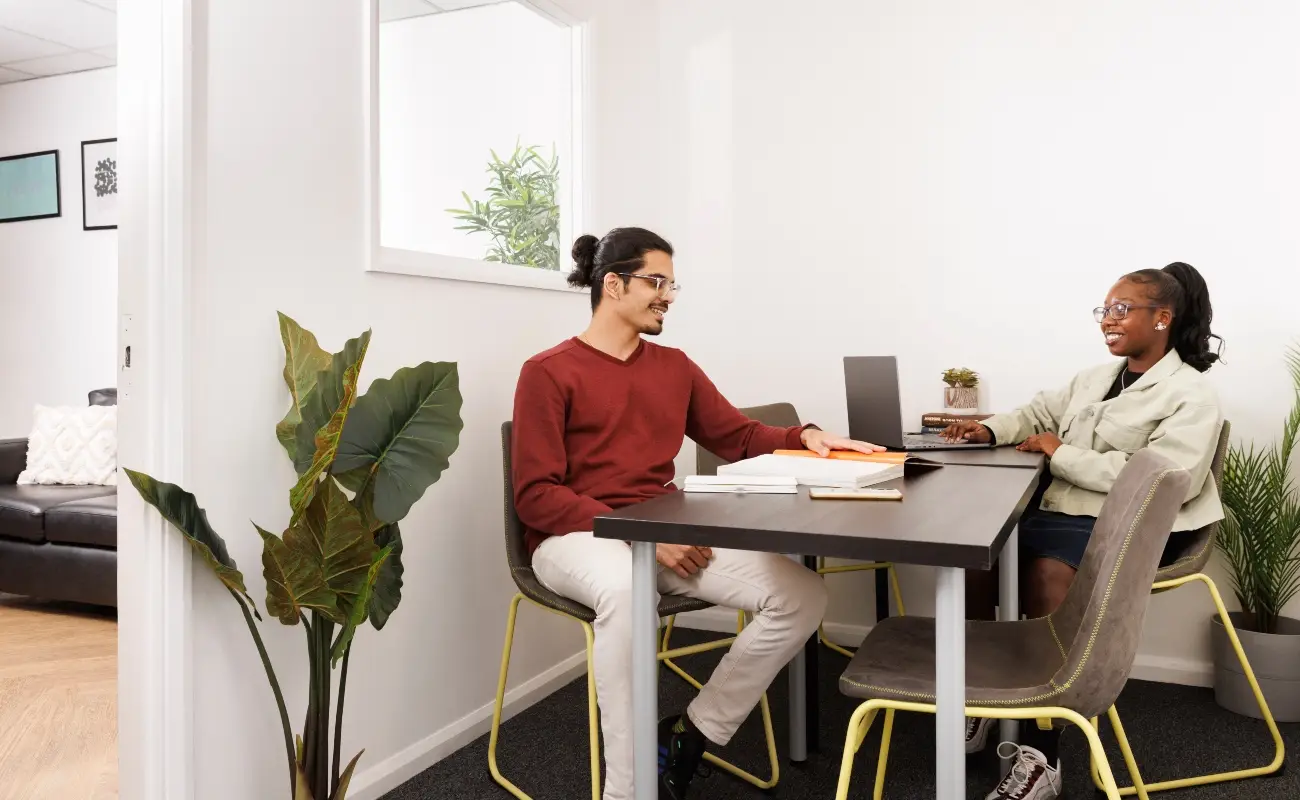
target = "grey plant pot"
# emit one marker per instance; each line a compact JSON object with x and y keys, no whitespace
{"x":1275,"y":660}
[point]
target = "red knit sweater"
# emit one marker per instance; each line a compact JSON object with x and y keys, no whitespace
{"x":592,"y":433}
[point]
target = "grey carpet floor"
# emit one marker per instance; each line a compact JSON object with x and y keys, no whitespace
{"x":1175,"y":731}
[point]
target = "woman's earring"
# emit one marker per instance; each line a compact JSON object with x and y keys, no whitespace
{"x":1160,"y":326}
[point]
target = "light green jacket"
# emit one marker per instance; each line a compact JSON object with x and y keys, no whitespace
{"x":1172,"y":409}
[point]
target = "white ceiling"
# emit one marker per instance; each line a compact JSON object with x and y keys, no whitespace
{"x":390,"y":10}
{"x":39,"y":38}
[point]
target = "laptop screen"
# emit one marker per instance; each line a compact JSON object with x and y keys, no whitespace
{"x":871,"y":392}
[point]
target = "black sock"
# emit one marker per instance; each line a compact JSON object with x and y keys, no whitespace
{"x":1046,"y":742}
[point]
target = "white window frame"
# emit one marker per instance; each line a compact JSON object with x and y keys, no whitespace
{"x":457,"y":268}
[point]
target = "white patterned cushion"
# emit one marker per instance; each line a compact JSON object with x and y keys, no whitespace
{"x":72,"y":446}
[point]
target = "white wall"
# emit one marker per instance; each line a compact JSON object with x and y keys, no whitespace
{"x":961,"y":183}
{"x":279,"y":227}
{"x":454,"y":87}
{"x":58,"y":303}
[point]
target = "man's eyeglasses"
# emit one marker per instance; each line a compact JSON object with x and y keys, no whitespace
{"x":662,"y":286}
{"x":1117,"y":311}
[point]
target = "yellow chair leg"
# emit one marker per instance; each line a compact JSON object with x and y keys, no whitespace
{"x":1129,"y":760}
{"x":883,"y":759}
{"x":593,"y":731}
{"x":1279,"y":746}
{"x":593,"y":718}
{"x":851,"y":742}
{"x":495,"y":735}
{"x":898,"y":592}
{"x":822,"y":569}
{"x":1098,"y":757}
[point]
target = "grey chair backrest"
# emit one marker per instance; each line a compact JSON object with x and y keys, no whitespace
{"x":521,"y":563}
{"x":1196,"y":553}
{"x":516,"y":549}
{"x":1098,"y":626}
{"x":781,"y":415}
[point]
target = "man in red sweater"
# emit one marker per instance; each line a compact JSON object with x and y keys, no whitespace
{"x":598,"y":421}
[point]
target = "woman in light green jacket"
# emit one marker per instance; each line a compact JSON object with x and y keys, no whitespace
{"x":1158,"y":321}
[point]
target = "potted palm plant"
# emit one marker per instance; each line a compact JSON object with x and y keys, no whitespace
{"x":1260,"y":540}
{"x":362,"y":463}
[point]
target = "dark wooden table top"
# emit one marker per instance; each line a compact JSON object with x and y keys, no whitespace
{"x":985,"y":457}
{"x":948,"y":517}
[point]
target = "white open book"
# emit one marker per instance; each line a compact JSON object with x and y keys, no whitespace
{"x":843,"y":474}
{"x":747,"y":484}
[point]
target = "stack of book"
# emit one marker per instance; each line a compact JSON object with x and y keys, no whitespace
{"x":936,"y":421}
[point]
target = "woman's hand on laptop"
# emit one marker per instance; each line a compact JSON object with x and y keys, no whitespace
{"x":968,"y":431}
{"x":822,"y":443}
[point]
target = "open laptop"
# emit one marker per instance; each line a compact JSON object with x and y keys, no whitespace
{"x":875,"y":414}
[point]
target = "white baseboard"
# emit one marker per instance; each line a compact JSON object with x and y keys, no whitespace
{"x":1162,"y":669}
{"x":375,"y":781}
{"x":1182,"y":671}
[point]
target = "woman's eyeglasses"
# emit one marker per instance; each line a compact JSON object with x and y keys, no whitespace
{"x":662,"y":286}
{"x":1117,"y":312}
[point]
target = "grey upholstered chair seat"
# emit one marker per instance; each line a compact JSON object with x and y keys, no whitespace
{"x":1007,"y":664}
{"x":533,"y":589}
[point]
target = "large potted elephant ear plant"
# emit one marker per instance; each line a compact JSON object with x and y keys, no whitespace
{"x":1260,"y":540}
{"x":362,"y":462}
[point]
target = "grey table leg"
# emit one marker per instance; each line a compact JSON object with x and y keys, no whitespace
{"x":799,"y":696}
{"x":950,"y":684}
{"x":1009,"y":610}
{"x":645,"y":669}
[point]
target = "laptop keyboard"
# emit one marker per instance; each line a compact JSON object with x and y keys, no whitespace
{"x":914,"y":441}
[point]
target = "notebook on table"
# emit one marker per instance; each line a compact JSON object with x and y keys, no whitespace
{"x":815,"y":471}
{"x":741,"y":484}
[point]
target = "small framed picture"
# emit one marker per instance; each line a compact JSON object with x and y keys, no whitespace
{"x":99,"y":184}
{"x":29,"y":186}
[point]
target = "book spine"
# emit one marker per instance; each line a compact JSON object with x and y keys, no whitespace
{"x":944,"y":420}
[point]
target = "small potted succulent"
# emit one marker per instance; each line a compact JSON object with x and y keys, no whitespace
{"x":962,"y":395}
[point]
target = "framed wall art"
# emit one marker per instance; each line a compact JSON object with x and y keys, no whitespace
{"x":99,"y":184}
{"x":29,"y":186}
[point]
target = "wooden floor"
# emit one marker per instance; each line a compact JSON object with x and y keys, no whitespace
{"x":58,"y":701}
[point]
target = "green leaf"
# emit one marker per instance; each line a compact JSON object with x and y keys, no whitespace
{"x":346,"y":778}
{"x":387,"y":593}
{"x":361,"y":607}
{"x":303,"y":359}
{"x":330,"y":400}
{"x":331,"y":535}
{"x":326,"y":396}
{"x":295,"y":582}
{"x":404,"y":430}
{"x":182,"y":510}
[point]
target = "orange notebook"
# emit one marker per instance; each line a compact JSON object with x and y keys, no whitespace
{"x":850,"y":455}
{"x":908,"y":460}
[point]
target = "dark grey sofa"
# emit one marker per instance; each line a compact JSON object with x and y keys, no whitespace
{"x":57,"y":542}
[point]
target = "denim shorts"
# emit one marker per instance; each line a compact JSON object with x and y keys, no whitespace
{"x":1064,"y":537}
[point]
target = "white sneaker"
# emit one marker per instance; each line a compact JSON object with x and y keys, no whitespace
{"x":1030,"y":777}
{"x":977,"y":734}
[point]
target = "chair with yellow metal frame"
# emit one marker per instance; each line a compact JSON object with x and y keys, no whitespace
{"x":1070,"y":665}
{"x":783,"y":415}
{"x":531,"y":589}
{"x":1186,"y":570}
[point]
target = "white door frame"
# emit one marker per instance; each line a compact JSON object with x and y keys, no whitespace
{"x":155,"y":146}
